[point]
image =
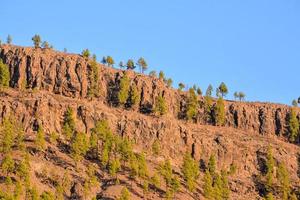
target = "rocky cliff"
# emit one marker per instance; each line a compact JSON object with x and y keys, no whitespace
{"x":44,"y":83}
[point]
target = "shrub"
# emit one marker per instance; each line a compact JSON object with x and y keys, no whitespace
{"x":93,"y":90}
{"x":169,"y":82}
{"x":79,"y":146}
{"x":68,"y":124}
{"x":134,"y":95}
{"x":40,"y":141}
{"x":190,"y":171}
{"x":192,"y":105}
{"x":219,"y":112}
{"x":161,"y":75}
{"x":293,"y":125}
{"x":125,"y":195}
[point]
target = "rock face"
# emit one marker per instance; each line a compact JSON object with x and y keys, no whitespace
{"x":44,"y":83}
{"x":68,"y":75}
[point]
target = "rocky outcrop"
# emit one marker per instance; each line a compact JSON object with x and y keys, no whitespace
{"x":67,"y":75}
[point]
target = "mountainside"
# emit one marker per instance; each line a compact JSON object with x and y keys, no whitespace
{"x":44,"y":84}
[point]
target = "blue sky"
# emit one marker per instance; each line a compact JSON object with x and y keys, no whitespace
{"x":252,"y":45}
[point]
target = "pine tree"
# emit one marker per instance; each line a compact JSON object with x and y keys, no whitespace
{"x":130,"y":64}
{"x":142,"y":167}
{"x":161,"y":75}
{"x":86,"y":53}
{"x":153,"y":74}
{"x":166,"y":172}
{"x":219,"y":112}
{"x":209,"y":90}
{"x":207,"y":185}
{"x":199,"y":91}
{"x":223,"y":89}
{"x":93,"y":90}
{"x":125,"y":195}
{"x":283,"y":178}
{"x":79,"y":146}
{"x":121,"y":65}
{"x":181,"y":86}
{"x":190,"y":171}
{"x":4,"y":74}
{"x":7,"y":135}
{"x":124,"y":89}
{"x":192,"y":105}
{"x":269,"y":196}
{"x":294,"y":103}
{"x":169,"y":82}
{"x":7,"y":164}
{"x":114,"y":168}
{"x":156,"y":147}
{"x":47,"y":196}
{"x":69,"y":124}
{"x":293,"y":125}
{"x":142,"y":64}
{"x":110,"y":61}
{"x":134,"y":96}
{"x":9,"y":39}
{"x":212,"y":165}
{"x":104,"y":60}
{"x":160,"y":105}
{"x":40,"y":141}
{"x":45,"y":45}
{"x":269,"y":169}
{"x":36,"y":41}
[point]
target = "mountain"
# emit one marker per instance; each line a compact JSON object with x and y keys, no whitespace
{"x":51,"y":93}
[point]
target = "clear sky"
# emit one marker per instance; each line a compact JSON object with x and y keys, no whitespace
{"x":251,"y":45}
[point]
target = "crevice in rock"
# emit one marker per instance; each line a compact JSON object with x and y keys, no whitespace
{"x":278,"y":125}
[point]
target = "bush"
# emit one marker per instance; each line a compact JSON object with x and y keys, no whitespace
{"x":134,"y":96}
{"x":79,"y":146}
{"x":190,"y":171}
{"x":69,"y":124}
{"x":40,"y":141}
{"x":4,"y":75}
{"x":192,"y":105}
{"x":86,"y":53}
{"x":93,"y":90}
{"x":293,"y":125}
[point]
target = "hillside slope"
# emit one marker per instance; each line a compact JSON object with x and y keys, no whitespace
{"x":45,"y":83}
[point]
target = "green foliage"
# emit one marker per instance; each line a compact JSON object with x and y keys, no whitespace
{"x":79,"y":146}
{"x":199,"y":91}
{"x":54,"y":136}
{"x":142,"y":64}
{"x":32,"y":194}
{"x":223,"y":89}
{"x":181,"y":86}
{"x":161,"y":75}
{"x":23,"y":169}
{"x":7,"y":135}
{"x":156,"y":147}
{"x":219,"y":112}
{"x":209,"y":90}
{"x":92,"y":178}
{"x":4,"y":74}
{"x":190,"y":171}
{"x":192,"y":105}
{"x":270,"y":163}
{"x":283,"y":178}
{"x":212,"y":164}
{"x":134,"y":96}
{"x":207,"y":187}
{"x":293,"y":125}
{"x":114,"y":167}
{"x":269,"y":196}
{"x":142,"y":166}
{"x":110,"y":61}
{"x":9,"y":39}
{"x":47,"y":196}
{"x":166,"y":171}
{"x":36,"y":40}
{"x":69,"y":124}
{"x":40,"y":141}
{"x":121,"y":65}
{"x":153,"y":74}
{"x":93,"y":90}
{"x":155,"y":180}
{"x":18,"y":190}
{"x":86,"y":53}
{"x":169,"y":82}
{"x":130,"y":64}
{"x":239,"y":95}
{"x":160,"y":105}
{"x":7,"y":164}
{"x":46,"y":45}
{"x":124,"y":89}
{"x":125,"y":195}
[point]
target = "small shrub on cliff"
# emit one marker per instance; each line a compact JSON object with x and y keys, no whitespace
{"x":86,"y":53}
{"x":270,"y":164}
{"x":208,"y":185}
{"x":124,"y":89}
{"x":284,"y":181}
{"x":7,"y":135}
{"x":125,"y":195}
{"x":7,"y":164}
{"x":156,"y":147}
{"x":36,"y":40}
{"x":219,"y":112}
{"x":293,"y":125}
{"x":4,"y":75}
{"x":190,"y":171}
{"x":160,"y":105}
